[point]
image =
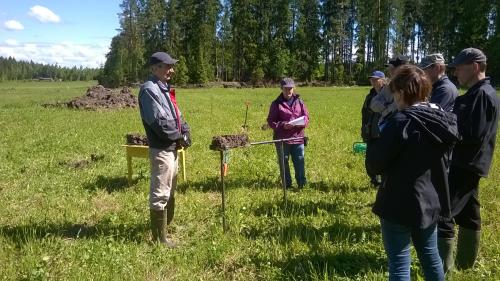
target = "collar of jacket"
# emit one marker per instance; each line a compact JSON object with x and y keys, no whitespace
{"x":479,"y":83}
{"x":280,"y":98}
{"x":440,"y":80}
{"x":163,"y":87}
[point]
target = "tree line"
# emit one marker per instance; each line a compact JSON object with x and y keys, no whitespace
{"x":259,"y":41}
{"x":11,"y":69}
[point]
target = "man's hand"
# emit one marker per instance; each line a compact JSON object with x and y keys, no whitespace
{"x":185,"y":141}
{"x":287,"y":126}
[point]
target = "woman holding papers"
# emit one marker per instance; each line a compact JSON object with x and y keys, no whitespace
{"x":288,"y":117}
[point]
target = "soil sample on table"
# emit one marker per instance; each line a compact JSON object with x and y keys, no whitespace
{"x":136,"y":139}
{"x":225,"y":142}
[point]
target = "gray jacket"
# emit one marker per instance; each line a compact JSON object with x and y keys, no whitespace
{"x":158,"y":115}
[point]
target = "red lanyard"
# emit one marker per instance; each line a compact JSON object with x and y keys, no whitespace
{"x":172,"y":98}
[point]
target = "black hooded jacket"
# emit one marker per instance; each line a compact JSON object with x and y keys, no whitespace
{"x":410,"y":155}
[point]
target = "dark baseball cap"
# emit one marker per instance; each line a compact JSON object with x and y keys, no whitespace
{"x":287,"y":83}
{"x":468,"y":55}
{"x":377,"y":74}
{"x":161,"y":57}
{"x":431,"y":59}
{"x":398,"y":60}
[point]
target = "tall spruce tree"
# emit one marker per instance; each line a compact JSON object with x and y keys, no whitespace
{"x":307,"y":40}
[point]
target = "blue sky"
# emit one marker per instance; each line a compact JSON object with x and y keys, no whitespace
{"x":69,"y":33}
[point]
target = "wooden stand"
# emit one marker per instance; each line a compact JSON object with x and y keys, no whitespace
{"x":142,"y":151}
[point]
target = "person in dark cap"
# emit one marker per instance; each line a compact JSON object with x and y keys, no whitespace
{"x":444,"y":92}
{"x":285,"y":108}
{"x":383,"y":103}
{"x":370,"y":119}
{"x":166,"y":131}
{"x":477,"y":116}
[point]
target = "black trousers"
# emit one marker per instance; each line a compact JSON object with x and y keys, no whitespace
{"x":371,"y":174}
{"x":464,"y":197}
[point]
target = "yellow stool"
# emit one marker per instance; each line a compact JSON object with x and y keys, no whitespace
{"x":142,"y":151}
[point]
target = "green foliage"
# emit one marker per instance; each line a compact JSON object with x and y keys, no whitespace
{"x":232,"y":39}
{"x":62,"y":223}
{"x":11,"y":69}
{"x":257,"y":75}
{"x":180,"y":77}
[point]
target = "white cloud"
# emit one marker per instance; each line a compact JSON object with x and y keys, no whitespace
{"x":43,"y":14}
{"x":64,"y":53}
{"x":13,"y":25}
{"x":11,"y":42}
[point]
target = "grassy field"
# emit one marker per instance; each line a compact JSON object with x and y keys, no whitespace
{"x":63,"y":223}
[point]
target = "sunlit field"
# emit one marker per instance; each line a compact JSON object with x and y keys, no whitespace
{"x":59,"y":222}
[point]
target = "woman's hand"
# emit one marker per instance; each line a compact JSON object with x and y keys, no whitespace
{"x":288,"y":126}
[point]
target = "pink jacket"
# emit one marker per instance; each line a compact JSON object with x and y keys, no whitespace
{"x":280,"y":113}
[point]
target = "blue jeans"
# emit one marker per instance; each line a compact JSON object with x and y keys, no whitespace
{"x":297,"y":153}
{"x":397,"y":239}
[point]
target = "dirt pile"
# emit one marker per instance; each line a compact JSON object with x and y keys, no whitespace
{"x":136,"y":139}
{"x":98,"y":97}
{"x":225,"y":142}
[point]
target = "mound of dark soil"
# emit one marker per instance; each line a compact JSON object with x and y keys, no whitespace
{"x":136,"y":139}
{"x":225,"y":142}
{"x":98,"y":97}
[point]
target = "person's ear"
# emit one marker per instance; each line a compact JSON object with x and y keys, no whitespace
{"x":476,"y":66}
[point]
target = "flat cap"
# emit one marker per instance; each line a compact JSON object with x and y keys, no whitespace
{"x":398,"y":60}
{"x":431,"y":59}
{"x":161,"y":57}
{"x":467,"y":56}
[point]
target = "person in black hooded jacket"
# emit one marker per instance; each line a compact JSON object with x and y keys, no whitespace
{"x":414,"y":193}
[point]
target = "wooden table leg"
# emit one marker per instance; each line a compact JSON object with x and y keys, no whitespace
{"x":182,"y":154}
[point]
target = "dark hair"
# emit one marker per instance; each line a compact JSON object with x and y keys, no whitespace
{"x":482,"y":66}
{"x":412,"y":83}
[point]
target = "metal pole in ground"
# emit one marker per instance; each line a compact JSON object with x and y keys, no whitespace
{"x":283,"y":178}
{"x":222,"y":174}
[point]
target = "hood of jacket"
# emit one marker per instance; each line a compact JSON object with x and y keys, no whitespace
{"x":440,"y":126}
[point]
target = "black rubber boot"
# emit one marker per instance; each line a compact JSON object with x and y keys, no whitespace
{"x":170,"y":209}
{"x":467,"y":247}
{"x":445,"y":246}
{"x":158,"y":228}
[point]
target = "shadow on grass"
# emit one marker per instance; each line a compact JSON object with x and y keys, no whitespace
{"x":316,"y":266}
{"x":110,"y":184}
{"x":314,"y":235}
{"x":23,"y":234}
{"x":319,"y":264}
{"x":293,"y":208}
{"x":214,"y":184}
{"x":337,"y":186}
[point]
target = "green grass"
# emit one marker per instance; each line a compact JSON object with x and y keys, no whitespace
{"x":63,"y":223}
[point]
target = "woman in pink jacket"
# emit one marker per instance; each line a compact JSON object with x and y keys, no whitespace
{"x":286,"y":107}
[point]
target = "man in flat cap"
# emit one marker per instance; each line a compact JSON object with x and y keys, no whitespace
{"x":370,"y":119}
{"x":477,"y":117}
{"x":383,"y":102}
{"x":166,"y":132}
{"x":444,"y":92}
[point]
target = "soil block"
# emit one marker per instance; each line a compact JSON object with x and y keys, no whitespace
{"x":226,"y":142}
